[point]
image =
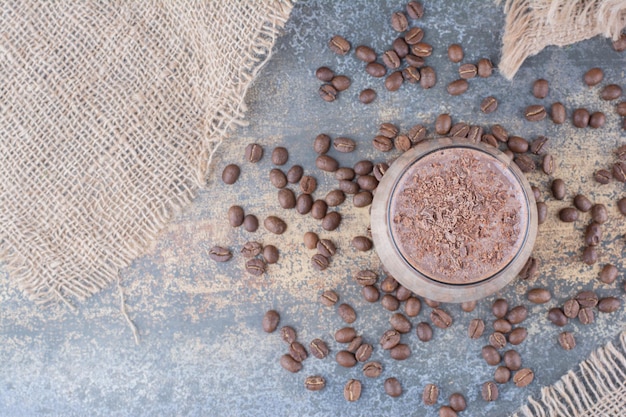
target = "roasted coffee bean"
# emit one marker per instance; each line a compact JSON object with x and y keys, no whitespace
{"x":608,"y":274}
{"x":293,"y":175}
{"x":542,"y":212}
{"x":415,"y":10}
{"x":324,"y":74}
{"x":582,"y":203}
{"x":502,"y":326}
{"x":518,"y":144}
{"x":329,"y":298}
{"x":364,"y":352}
{"x":345,"y":359}
{"x":500,"y":133}
{"x":412,"y":306}
{"x":475,"y":133}
{"x":619,"y":171}
{"x":321,"y":144}
{"x":318,"y":348}
{"x":540,"y":88}
{"x":621,"y":110}
{"x":382,"y":143}
{"x":394,"y":81}
{"x":500,"y":308}
{"x":365,"y":54}
{"x":220,"y":254}
{"x":355,"y":344}
{"x":459,"y":130}
{"x":328,"y":93}
{"x":250,"y":223}
{"x":255,"y":266}
{"x":414,"y":61}
{"x":611,"y":92}
{"x":400,"y":46}
{"x":609,"y":304}
{"x":428,"y":77}
{"x":347,"y":313}
{"x":319,"y":262}
{"x":590,"y":255}
{"x":297,"y":351}
{"x":458,"y":87}
{"x":512,"y":360}
{"x":362,"y":199}
{"x":335,"y":198}
{"x":230,"y":175}
{"x":280,"y":155}
{"x":352,"y":390}
{"x":251,"y":249}
{"x":580,"y":118}
{"x":568,"y":214}
{"x":489,"y":105}
{"x":455,"y":53}
{"x":525,"y":163}
{"x":467,"y":71}
{"x":340,"y":82}
{"x":304,"y":203}
{"x":402,"y":143}
{"x":457,"y":402}
{"x":535,"y":113}
{"x":558,"y":189}
{"x":596,"y":120}
{"x":339,"y":45}
{"x":556,"y":316}
{"x":490,"y":355}
{"x":326,"y":163}
{"x":270,"y":321}
{"x":389,"y":284}
{"x":366,"y":277}
{"x":400,"y":323}
{"x":348,"y":187}
{"x":362,"y":243}
{"x":593,"y":234}
{"x":367,"y":96}
{"x":290,"y":364}
{"x":530,"y":268}
{"x":344,"y":174}
{"x":599,"y":213}
{"x":485,"y":67}
{"x":278,"y":178}
{"x":403,"y":293}
{"x":393,"y":387}
{"x":314,"y":383}
{"x":443,"y":123}
{"x":502,"y":375}
{"x":422,"y":49}
{"x":586,"y":316}
{"x":432,"y":303}
{"x":275,"y":225}
{"x":367,"y":182}
{"x":424,"y":331}
{"x":557,"y":113}
{"x":571,"y":308}
{"x":345,"y":335}
{"x":489,"y":391}
{"x":254,"y":152}
{"x":372,"y":369}
{"x":286,"y":198}
{"x":363,"y":167}
{"x":476,"y":328}
{"x":413,"y":37}
{"x":497,"y":340}
{"x":390,"y":339}
{"x":379,"y":170}
{"x":621,"y":206}
{"x":430,"y":394}
{"x":468,"y":306}
{"x":587,"y":299}
{"x":376,"y":70}
{"x":235,"y":216}
{"x":440,"y":318}
{"x":399,"y":22}
{"x":517,"y":315}
{"x":602,"y":176}
{"x":391,"y":59}
{"x":308,"y":184}
{"x":319,"y":209}
{"x":593,"y":77}
{"x":567,"y":341}
{"x":523,"y":377}
{"x":370,"y":293}
{"x":539,"y":295}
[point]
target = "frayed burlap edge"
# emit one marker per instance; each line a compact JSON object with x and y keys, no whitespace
{"x":531,"y":25}
{"x":596,"y":388}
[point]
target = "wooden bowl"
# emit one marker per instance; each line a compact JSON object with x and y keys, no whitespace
{"x":404,"y":271}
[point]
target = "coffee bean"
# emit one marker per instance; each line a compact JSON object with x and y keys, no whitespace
{"x":389,"y":302}
{"x":557,"y":113}
{"x":530,"y":268}
{"x":363,"y":167}
{"x":400,"y":323}
{"x":540,"y":88}
{"x":476,"y":328}
{"x":542,"y":212}
{"x":348,"y":187}
{"x":352,"y":390}
{"x":502,"y":375}
{"x":254,"y":152}
{"x":366,"y":277}
{"x":489,"y":391}
{"x":490,"y":355}
{"x":568,"y":214}
{"x":489,"y":105}
{"x":414,"y":61}
{"x":457,"y":402}
{"x":372,"y":369}
{"x":324,"y":74}
{"x":362,"y":199}
{"x":582,"y":203}
{"x":611,"y":92}
{"x":500,"y":308}
{"x":278,"y":178}
{"x":455,"y":53}
{"x":251,"y":249}
{"x":586,"y":316}
{"x":558,"y":189}
{"x":518,"y":144}
{"x":525,"y":163}
{"x":619,"y":171}
{"x":400,"y":46}
{"x":328,"y":93}
{"x":432,"y":303}
{"x":593,"y":77}
{"x":468,"y":306}
{"x":428,"y":77}
{"x":364,"y":352}
{"x":422,"y":49}
{"x":517,"y":315}
{"x":412,"y":306}
{"x":571,"y":308}
{"x":599,"y":213}
{"x":621,"y":206}
{"x":502,"y":326}
{"x":355,"y":344}
{"x":475,"y":133}
{"x":321,"y":144}
{"x":467,"y":71}
{"x":230,"y":175}
{"x":344,"y":174}
{"x":523,"y":377}
{"x":390,"y":339}
{"x":608,"y":274}
{"x":379,"y":170}
{"x":593,"y":234}
{"x":539,"y":295}
{"x":403,"y":293}
{"x":250,"y":223}
{"x":430,"y":394}
{"x":459,"y":130}
{"x":500,"y":133}
{"x":235,"y":216}
{"x":367,"y":96}
{"x":556,"y":316}
{"x":394,"y":81}
{"x":308,"y":184}
{"x":458,"y":87}
{"x":340,"y":82}
{"x":270,"y":321}
{"x":345,"y":335}
{"x":367,"y":182}
{"x":365,"y":54}
{"x":391,"y":59}
{"x":318,"y":348}
{"x":580,"y":118}
{"x":326,"y":163}
{"x":286,"y":198}
{"x":399,"y":22}
{"x":370,"y":293}
{"x":403,"y":143}
{"x":443,"y":123}
{"x":512,"y":360}
{"x":362,"y":243}
{"x":609,"y":304}
{"x":314,"y":383}
{"x":602,"y":176}
{"x":290,"y":364}
{"x":319,"y":209}
{"x":590,"y":255}
{"x":347,"y":313}
{"x":393,"y":387}
{"x":255,"y":266}
{"x":345,"y":359}
{"x":220,"y":254}
{"x":329,"y":298}
{"x":424,"y":331}
{"x":497,"y":340}
{"x":567,"y":341}
{"x":376,"y":70}
{"x":382,"y":143}
{"x":535,"y":113}
{"x":413,"y":37}
{"x":280,"y":155}
{"x":275,"y":225}
{"x":297,"y":351}
{"x":587,"y":298}
{"x":319,"y":262}
{"x":339,"y":45}
{"x":621,"y":110}
{"x":440,"y":318}
{"x":304,"y":203}
{"x":596,"y":120}
{"x":415,"y":9}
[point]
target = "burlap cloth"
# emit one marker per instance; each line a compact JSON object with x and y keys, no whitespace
{"x":110,"y":113}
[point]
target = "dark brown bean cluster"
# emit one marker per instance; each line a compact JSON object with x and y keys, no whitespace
{"x":333,"y":84}
{"x":617,"y":171}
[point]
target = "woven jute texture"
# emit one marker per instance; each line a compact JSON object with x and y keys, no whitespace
{"x":531,"y":25}
{"x":110,"y":113}
{"x":597,"y":388}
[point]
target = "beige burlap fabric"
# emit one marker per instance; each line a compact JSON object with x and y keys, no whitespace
{"x":597,"y":388}
{"x":110,"y":113}
{"x":531,"y":25}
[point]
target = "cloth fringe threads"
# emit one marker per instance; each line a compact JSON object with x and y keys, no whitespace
{"x":110,"y":114}
{"x":597,"y":389}
{"x":531,"y":25}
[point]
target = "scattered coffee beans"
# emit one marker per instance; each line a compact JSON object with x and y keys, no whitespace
{"x":314,"y":383}
{"x":270,"y":321}
{"x":489,"y":391}
{"x":567,"y":341}
{"x":352,"y":390}
{"x":230,"y":175}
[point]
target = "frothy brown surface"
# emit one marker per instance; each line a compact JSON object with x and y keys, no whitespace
{"x":458,"y":215}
